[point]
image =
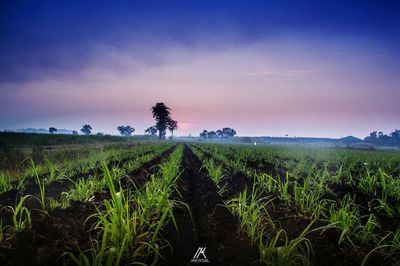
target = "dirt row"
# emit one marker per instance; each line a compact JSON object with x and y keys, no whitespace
{"x":205,"y":223}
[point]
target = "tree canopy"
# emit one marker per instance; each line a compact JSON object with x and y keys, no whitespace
{"x":151,"y":130}
{"x":163,"y":118}
{"x":125,"y":130}
{"x":393,"y":138}
{"x":86,"y":129}
{"x":52,"y":130}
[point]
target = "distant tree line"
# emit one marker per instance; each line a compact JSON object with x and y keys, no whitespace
{"x":53,"y":130}
{"x":161,"y":113}
{"x":224,"y":133}
{"x":87,"y":130}
{"x":381,"y":138}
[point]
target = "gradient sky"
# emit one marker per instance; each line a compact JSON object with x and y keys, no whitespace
{"x":303,"y":68}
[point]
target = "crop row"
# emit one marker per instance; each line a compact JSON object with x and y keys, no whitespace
{"x":127,"y":228}
{"x":375,"y":181}
{"x":67,"y":164}
{"x":132,"y":204}
{"x":72,"y":171}
{"x":306,"y":193}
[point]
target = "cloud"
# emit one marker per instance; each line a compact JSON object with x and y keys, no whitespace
{"x":256,"y":87}
{"x":286,"y":74}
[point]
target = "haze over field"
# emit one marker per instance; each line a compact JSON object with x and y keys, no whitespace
{"x":319,"y":68}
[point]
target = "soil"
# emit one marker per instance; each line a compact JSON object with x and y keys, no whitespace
{"x":212,"y":227}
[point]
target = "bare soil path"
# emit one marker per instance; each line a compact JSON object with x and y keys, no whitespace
{"x":212,"y":227}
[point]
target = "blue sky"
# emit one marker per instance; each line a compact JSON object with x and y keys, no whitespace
{"x":313,"y":68}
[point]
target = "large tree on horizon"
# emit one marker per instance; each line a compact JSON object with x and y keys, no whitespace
{"x":163,"y":118}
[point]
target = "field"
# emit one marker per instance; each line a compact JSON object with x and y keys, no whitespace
{"x":149,"y":202}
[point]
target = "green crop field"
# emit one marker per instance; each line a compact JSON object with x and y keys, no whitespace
{"x":156,"y":202}
{"x":199,"y":132}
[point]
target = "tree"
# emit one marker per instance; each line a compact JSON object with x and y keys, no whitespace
{"x":52,"y":130}
{"x":381,"y":138}
{"x":172,"y":125}
{"x":74,"y":132}
{"x":211,"y":135}
{"x":228,"y":132}
{"x":219,"y":133}
{"x":162,"y":115}
{"x":232,"y":132}
{"x":151,"y":130}
{"x":203,"y":134}
{"x":125,"y":130}
{"x":373,"y":136}
{"x":86,"y":129}
{"x":395,"y":134}
{"x":121,"y":130}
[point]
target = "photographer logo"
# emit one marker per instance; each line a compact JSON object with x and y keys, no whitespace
{"x":200,"y":256}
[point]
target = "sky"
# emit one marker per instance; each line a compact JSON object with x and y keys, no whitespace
{"x":271,"y":68}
